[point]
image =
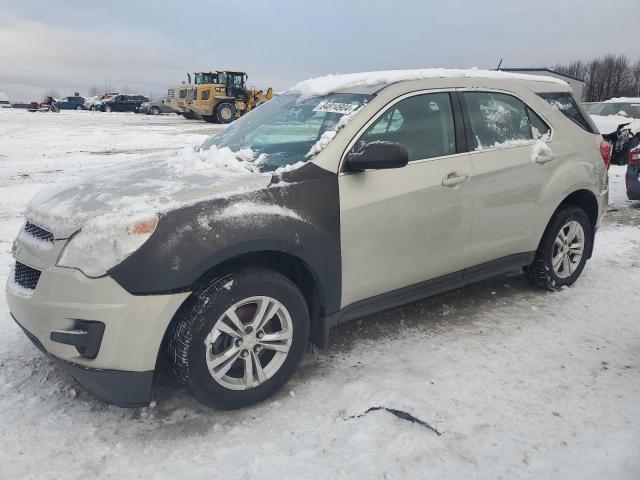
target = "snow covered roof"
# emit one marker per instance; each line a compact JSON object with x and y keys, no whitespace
{"x":332,"y":83}
{"x":623,"y":100}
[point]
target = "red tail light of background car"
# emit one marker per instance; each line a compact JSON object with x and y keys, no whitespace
{"x":605,"y":151}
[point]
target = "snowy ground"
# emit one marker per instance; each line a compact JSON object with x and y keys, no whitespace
{"x":520,"y":383}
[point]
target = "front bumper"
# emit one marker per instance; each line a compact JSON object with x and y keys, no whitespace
{"x":117,"y":387}
{"x":134,"y":327}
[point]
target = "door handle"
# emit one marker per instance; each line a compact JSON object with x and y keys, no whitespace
{"x":454,"y":179}
{"x":544,"y":157}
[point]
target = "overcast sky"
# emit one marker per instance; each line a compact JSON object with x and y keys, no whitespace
{"x":147,"y":45}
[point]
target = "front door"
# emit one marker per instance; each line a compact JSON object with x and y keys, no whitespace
{"x":400,"y":227}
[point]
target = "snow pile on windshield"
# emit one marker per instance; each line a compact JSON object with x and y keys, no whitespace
{"x":197,"y":160}
{"x":333,"y":83}
{"x":329,"y":135}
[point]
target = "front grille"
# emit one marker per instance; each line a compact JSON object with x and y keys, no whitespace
{"x":38,"y":232}
{"x":25,"y":276}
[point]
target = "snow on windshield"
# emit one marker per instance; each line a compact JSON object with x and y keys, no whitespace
{"x":333,"y":83}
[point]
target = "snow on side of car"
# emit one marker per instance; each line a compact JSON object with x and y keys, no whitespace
{"x":332,"y":83}
{"x":248,"y":213}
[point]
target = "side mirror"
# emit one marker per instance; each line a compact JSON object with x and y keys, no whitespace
{"x":378,"y":155}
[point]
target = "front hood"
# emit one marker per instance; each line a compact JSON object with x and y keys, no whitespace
{"x":150,"y":186}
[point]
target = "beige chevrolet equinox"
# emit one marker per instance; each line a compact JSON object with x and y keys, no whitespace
{"x":343,"y":196}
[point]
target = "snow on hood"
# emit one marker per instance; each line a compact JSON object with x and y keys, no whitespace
{"x":609,"y":123}
{"x":333,"y":83}
{"x":146,"y":187}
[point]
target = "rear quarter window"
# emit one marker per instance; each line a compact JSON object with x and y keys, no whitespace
{"x":565,"y":103}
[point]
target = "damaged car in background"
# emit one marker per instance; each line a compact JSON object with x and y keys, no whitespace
{"x":344,"y":196}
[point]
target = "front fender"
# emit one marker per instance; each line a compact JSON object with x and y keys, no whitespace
{"x":299,"y":218}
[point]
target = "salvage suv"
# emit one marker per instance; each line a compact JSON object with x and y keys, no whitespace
{"x":343,"y":196}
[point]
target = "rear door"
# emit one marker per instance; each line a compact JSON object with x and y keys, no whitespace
{"x":403,"y":226}
{"x":508,"y":172}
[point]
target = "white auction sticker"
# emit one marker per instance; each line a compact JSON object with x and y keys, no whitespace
{"x":332,"y":107}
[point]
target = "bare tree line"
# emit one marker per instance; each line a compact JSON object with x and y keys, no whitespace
{"x":605,"y":77}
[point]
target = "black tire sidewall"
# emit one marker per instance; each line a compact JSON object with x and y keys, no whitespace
{"x":560,"y":219}
{"x":212,"y":304}
{"x":155,"y":111}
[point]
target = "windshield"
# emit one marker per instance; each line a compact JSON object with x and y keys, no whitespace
{"x":283,"y":131}
{"x":205,"y":78}
{"x":616,"y":108}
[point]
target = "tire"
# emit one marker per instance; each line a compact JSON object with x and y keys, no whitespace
{"x":107,"y":108}
{"x":542,"y":272}
{"x":196,"y":342}
{"x":225,"y":112}
{"x":154,"y":111}
{"x":79,"y":107}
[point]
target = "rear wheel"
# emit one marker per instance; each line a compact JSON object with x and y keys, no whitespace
{"x":107,"y":108}
{"x":79,"y":107}
{"x":155,"y":111}
{"x":225,"y":112}
{"x":240,"y":339}
{"x":563,"y":250}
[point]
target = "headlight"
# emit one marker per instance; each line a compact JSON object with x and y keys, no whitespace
{"x":105,"y":242}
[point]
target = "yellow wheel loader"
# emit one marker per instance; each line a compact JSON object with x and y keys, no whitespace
{"x":216,"y":97}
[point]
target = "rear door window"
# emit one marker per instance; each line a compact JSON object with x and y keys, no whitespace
{"x":423,"y":124}
{"x":565,"y":103}
{"x":499,"y":120}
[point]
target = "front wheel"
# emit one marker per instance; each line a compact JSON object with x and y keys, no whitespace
{"x":107,"y":108}
{"x":225,"y":112}
{"x":240,"y":339}
{"x":563,"y":250}
{"x":155,"y":111}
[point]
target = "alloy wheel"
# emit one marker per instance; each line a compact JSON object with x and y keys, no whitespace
{"x":249,"y":343}
{"x":568,"y":249}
